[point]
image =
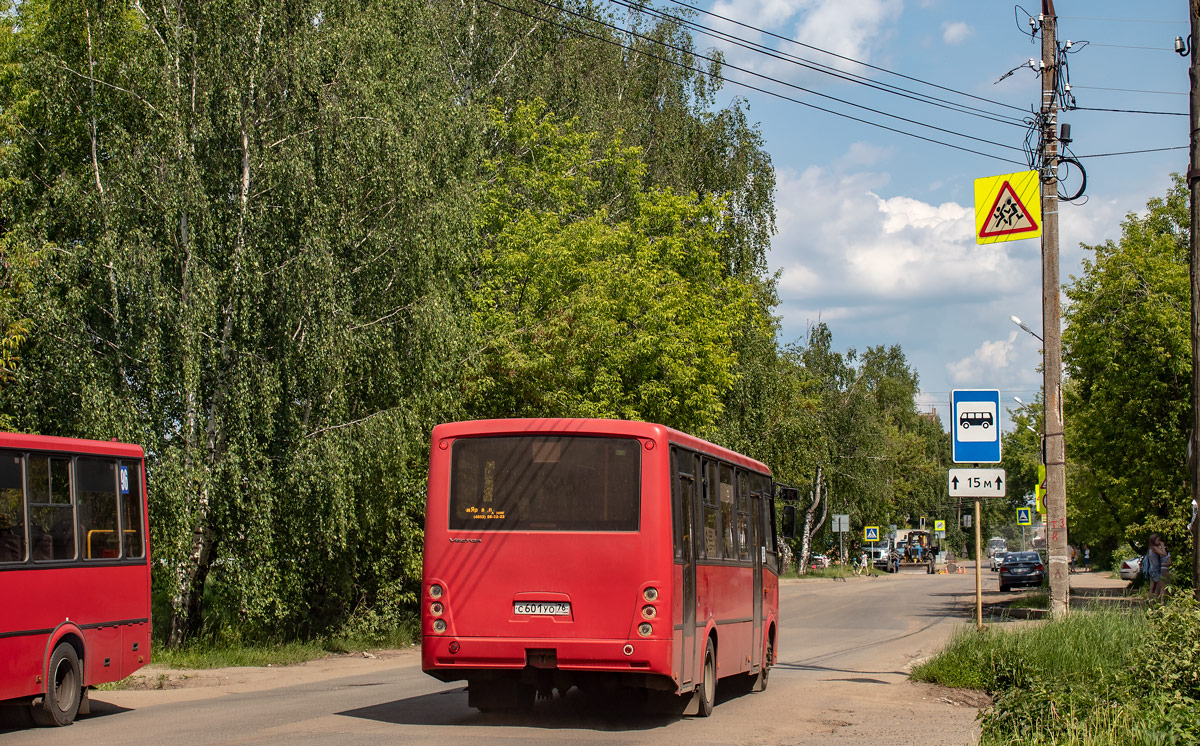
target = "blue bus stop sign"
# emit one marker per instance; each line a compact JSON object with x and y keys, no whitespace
{"x":975,"y":426}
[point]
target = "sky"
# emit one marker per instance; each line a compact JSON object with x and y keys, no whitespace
{"x":876,"y":230}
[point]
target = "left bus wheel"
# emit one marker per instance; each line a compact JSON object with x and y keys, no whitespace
{"x":64,"y":689}
{"x":708,"y":687}
{"x":765,"y":672}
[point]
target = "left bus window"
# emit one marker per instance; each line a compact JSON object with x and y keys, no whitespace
{"x":130,"y":488}
{"x":12,"y":509}
{"x":545,"y":483}
{"x":96,"y":492}
{"x":51,"y":513}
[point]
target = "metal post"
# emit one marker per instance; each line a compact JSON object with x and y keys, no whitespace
{"x":978,"y":569}
{"x":1056,"y":486}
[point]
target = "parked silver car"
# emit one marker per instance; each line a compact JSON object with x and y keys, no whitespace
{"x":1130,"y":568}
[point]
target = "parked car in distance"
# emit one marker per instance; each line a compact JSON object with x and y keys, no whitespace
{"x":997,"y":560}
{"x":1021,"y":568}
{"x":818,"y":561}
{"x":1130,"y":568}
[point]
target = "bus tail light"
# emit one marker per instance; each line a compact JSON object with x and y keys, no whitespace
{"x":650,"y":594}
{"x":435,"y":591}
{"x":644,"y":629}
{"x":436,"y":608}
{"x":439,"y":625}
{"x":649,"y":611}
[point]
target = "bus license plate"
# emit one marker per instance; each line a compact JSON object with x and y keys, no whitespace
{"x":562,"y":608}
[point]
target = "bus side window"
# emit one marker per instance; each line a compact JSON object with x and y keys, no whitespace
{"x":743,"y":517}
{"x":96,"y":493}
{"x":129,"y":493}
{"x":12,"y":508}
{"x":728,"y":545}
{"x":51,"y":511}
{"x":712,"y":512}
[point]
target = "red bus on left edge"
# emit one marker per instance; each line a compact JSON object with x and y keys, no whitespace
{"x":74,"y":570}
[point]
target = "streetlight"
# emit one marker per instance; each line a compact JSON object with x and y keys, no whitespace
{"x":1029,"y":427}
{"x":1021,"y":324}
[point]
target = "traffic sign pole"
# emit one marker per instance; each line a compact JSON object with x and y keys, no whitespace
{"x":978,"y":570}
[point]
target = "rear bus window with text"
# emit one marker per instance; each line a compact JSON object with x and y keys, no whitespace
{"x":545,"y":483}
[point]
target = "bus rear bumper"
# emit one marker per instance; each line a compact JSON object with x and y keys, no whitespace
{"x":453,"y":658}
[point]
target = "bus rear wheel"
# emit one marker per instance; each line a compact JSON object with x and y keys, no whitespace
{"x":64,"y":689}
{"x":765,"y":672}
{"x":708,"y":686}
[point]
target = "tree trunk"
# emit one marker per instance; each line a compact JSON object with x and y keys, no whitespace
{"x":809,"y":514}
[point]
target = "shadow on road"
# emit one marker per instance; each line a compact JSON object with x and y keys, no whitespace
{"x":16,"y":718}
{"x":600,"y":711}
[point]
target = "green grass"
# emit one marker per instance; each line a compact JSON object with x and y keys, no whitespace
{"x":833,"y":571}
{"x":1039,"y":600}
{"x":1081,"y":648}
{"x":202,"y":654}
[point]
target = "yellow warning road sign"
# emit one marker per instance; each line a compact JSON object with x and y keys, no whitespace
{"x":1008,"y":207}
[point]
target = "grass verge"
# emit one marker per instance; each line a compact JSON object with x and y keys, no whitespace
{"x":1100,"y":677}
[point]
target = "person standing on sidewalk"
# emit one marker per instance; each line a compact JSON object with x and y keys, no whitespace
{"x":1087,"y":559}
{"x":1157,"y":559}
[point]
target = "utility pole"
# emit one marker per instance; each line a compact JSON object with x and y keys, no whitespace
{"x":1056,"y":482}
{"x":1193,"y":177}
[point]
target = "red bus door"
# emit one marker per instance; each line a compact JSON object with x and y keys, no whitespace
{"x":758,"y":551}
{"x":686,"y":471}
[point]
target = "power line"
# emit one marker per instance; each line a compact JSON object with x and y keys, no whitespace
{"x":843,"y":57}
{"x":1130,"y":90}
{"x":1129,"y":111}
{"x":804,"y":62}
{"x":1123,"y":20}
{"x":777,"y":81}
{"x":1133,"y":152}
{"x":749,"y":86}
{"x":1131,"y":46}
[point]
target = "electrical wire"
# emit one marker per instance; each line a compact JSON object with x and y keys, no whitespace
{"x":1128,"y":111}
{"x":1131,"y":90}
{"x":810,"y":64}
{"x":1122,"y":20}
{"x":843,"y":57}
{"x":777,"y":81}
{"x":1131,"y":46}
{"x":1132,"y":152}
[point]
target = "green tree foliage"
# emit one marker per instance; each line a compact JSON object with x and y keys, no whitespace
{"x":1127,"y":352}
{"x":598,"y":297}
{"x":259,"y":211}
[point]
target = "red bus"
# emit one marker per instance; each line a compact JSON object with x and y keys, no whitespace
{"x":74,"y":570}
{"x":595,"y":553}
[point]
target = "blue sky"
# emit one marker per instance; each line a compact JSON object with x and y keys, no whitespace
{"x":876,"y":230}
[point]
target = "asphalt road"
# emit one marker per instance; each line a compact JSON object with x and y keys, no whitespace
{"x":845,"y":649}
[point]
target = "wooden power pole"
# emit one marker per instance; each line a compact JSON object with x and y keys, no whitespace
{"x":1056,"y":481}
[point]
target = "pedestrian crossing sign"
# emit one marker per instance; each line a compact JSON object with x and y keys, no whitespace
{"x":1008,"y":207}
{"x":871,"y":533}
{"x":1024,"y":517}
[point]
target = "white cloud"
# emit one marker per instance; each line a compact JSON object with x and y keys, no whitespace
{"x":841,"y":245}
{"x":956,"y":32}
{"x":985,"y":363}
{"x":851,"y":29}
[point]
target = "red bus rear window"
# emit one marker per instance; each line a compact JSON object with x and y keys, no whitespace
{"x":545,"y":483}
